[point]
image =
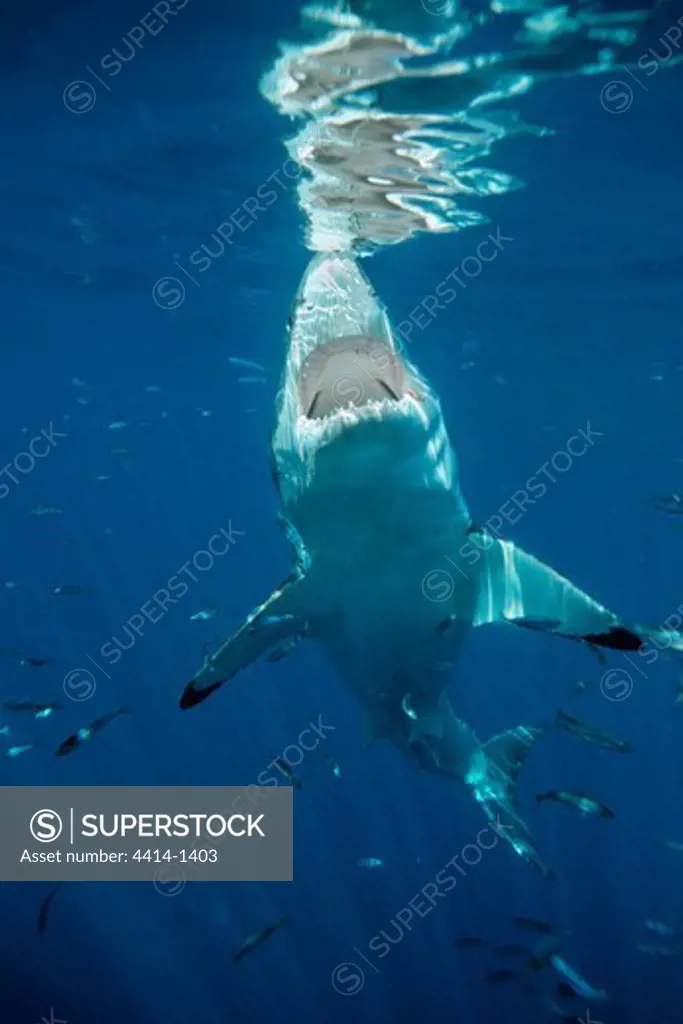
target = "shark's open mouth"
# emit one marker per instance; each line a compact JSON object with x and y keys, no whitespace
{"x":346,"y":377}
{"x":349,"y":372}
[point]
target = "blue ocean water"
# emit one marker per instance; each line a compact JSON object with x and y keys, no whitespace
{"x":576,"y":322}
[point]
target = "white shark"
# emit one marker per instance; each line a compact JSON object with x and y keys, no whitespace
{"x":372,"y":505}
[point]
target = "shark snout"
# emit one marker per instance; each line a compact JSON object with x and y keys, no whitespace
{"x":350,"y":371}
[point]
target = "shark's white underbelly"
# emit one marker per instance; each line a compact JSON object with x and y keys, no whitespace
{"x":375,"y":607}
{"x":379,"y":522}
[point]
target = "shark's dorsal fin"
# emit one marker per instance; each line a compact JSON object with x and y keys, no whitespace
{"x":271,"y":624}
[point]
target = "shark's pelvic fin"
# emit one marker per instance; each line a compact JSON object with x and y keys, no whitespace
{"x":515,"y":587}
{"x":273,"y":624}
{"x":493,"y":778}
{"x":426,"y":727}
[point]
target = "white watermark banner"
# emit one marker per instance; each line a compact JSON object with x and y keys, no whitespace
{"x":134,"y":833}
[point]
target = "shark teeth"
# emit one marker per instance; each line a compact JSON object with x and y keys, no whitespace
{"x":319,"y":432}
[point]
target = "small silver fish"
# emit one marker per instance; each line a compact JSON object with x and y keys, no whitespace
{"x":204,"y":613}
{"x":248,"y":364}
{"x":118,"y":424}
{"x":671,"y":503}
{"x":39,"y":710}
{"x":581,"y":987}
{"x":330,"y":762}
{"x":254,"y":941}
{"x":659,"y":928}
{"x":46,"y":510}
{"x":286,"y":769}
{"x":15,"y":751}
{"x":590,"y":734}
{"x":583,"y":803}
{"x":658,"y":950}
{"x":284,"y":648}
{"x":370,"y":862}
{"x":87,"y":732}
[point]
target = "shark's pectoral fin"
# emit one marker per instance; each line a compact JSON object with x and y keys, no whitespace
{"x":515,"y":587}
{"x":274,"y":626}
{"x":493,"y":776}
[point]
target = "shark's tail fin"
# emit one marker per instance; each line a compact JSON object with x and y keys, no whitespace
{"x":493,"y":779}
